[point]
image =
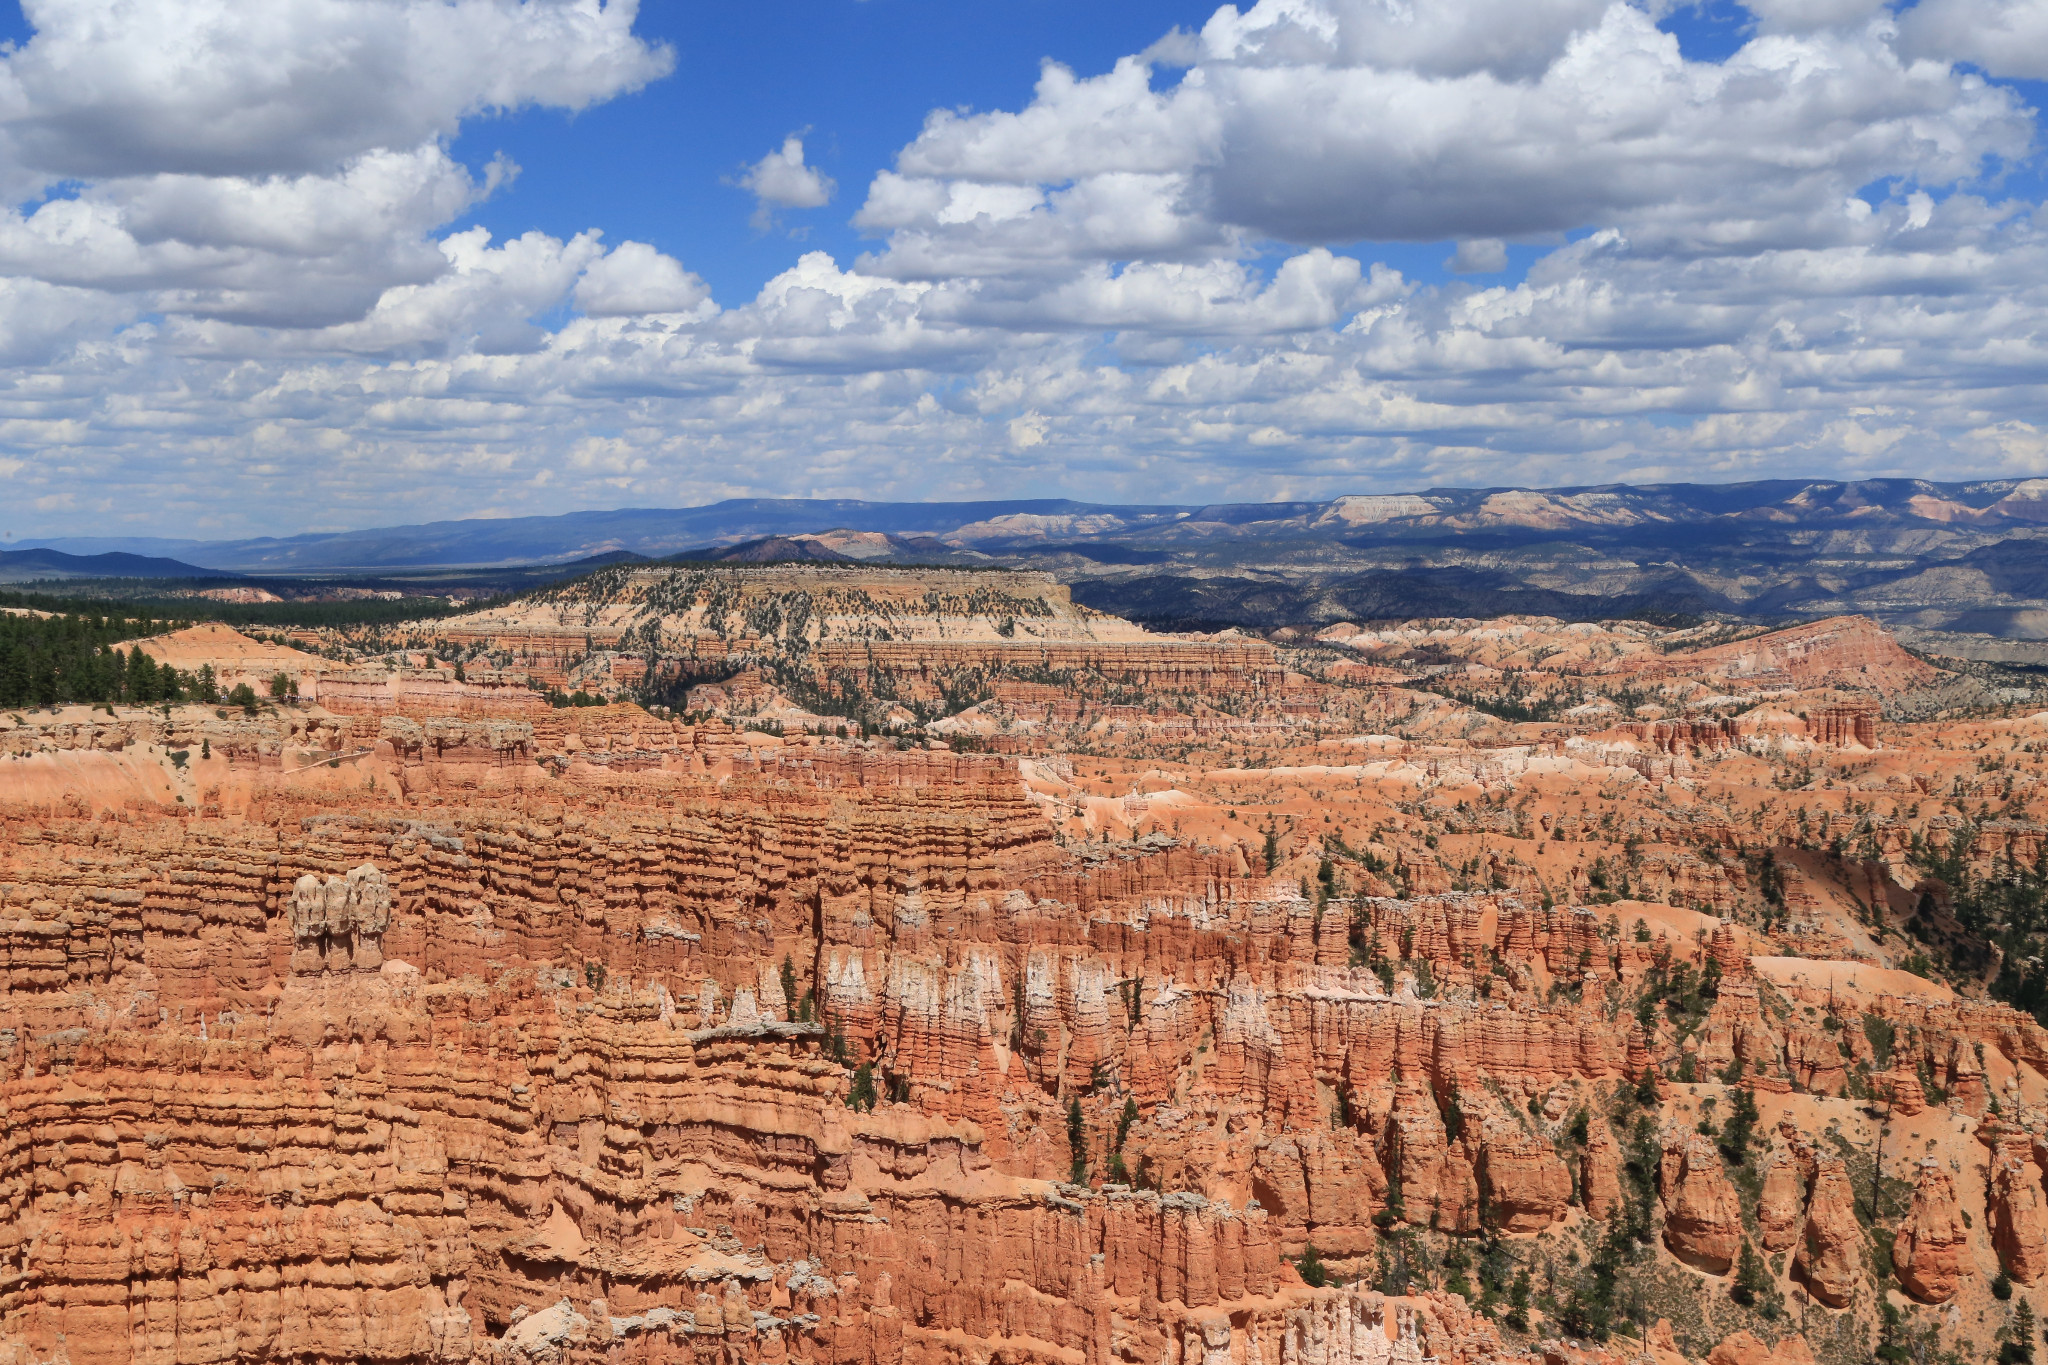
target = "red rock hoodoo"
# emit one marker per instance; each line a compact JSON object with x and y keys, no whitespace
{"x":958,"y":976}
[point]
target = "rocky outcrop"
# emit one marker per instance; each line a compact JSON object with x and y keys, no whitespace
{"x":1829,"y":1261}
{"x":1526,"y":1186}
{"x":1600,"y":1171}
{"x":338,"y":924}
{"x":2019,"y":1215}
{"x":1851,"y":651}
{"x":1781,"y":1208}
{"x":1702,"y":1218}
{"x":593,"y":1036}
{"x":1845,"y":725}
{"x":1815,"y":1060}
{"x":1741,"y":1348}
{"x":1929,"y":1249}
{"x":1899,"y":1088}
{"x":1201,"y":668}
{"x":1968,"y":1090}
{"x":425,"y":691}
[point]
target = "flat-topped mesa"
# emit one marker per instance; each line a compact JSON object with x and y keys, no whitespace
{"x":827,"y":619}
{"x":747,"y":606}
{"x":338,"y":923}
{"x":1851,"y":653}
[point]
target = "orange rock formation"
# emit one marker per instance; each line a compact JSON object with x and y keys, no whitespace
{"x":440,"y":1025}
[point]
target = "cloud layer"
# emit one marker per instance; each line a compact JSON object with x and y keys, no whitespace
{"x":230,"y":299}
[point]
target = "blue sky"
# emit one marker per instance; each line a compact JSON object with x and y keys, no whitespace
{"x":268,"y":277}
{"x":856,"y":79}
{"x":855,"y":76}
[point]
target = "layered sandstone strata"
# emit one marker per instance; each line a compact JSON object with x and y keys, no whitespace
{"x":308,"y":1130}
{"x":833,"y":624}
{"x":539,"y":1035}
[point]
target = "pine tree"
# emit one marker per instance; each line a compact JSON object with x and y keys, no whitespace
{"x":1589,"y":1312}
{"x":1454,"y":1118}
{"x":1314,"y":1273}
{"x":1518,"y":1302}
{"x":1456,"y":1263}
{"x":1272,"y":849}
{"x":141,"y":683}
{"x":1395,"y":1211}
{"x":1742,"y":1121}
{"x":15,"y":679}
{"x":1891,"y":1351}
{"x":1077,"y":1142}
{"x":2019,"y":1337}
{"x":861,"y":1094}
{"x":1752,"y":1281}
{"x":789,"y":987}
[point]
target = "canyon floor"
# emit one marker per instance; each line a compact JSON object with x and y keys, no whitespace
{"x":911,"y":967}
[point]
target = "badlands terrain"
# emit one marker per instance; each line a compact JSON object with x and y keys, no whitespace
{"x":912,"y":967}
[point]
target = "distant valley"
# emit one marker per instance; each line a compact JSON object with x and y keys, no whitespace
{"x":1955,"y":566}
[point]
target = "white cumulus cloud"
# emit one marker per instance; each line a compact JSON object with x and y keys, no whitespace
{"x":214,"y":87}
{"x":634,"y":278}
{"x":2005,"y":37}
{"x":782,"y":180}
{"x":231,"y":289}
{"x":1312,"y":122}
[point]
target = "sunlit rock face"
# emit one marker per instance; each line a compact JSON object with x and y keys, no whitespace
{"x":1266,"y":1017}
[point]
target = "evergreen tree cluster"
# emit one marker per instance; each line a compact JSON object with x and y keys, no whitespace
{"x":157,"y":600}
{"x":55,"y":660}
{"x":2011,"y":907}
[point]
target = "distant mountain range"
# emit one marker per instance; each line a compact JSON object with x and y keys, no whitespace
{"x":40,"y":564}
{"x":1925,"y":556}
{"x":652,"y":531}
{"x":1035,"y":524}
